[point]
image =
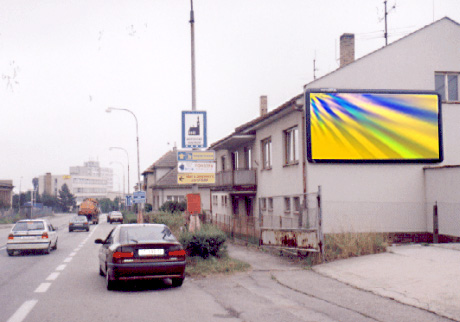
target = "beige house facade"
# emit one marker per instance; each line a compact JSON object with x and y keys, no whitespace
{"x":160,"y":184}
{"x":270,"y":151}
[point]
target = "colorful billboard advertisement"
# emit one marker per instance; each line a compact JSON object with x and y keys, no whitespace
{"x":373,"y":126}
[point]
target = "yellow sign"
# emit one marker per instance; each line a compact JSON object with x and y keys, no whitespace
{"x":196,"y":155}
{"x":192,"y":178}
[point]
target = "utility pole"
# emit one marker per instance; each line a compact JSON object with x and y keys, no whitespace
{"x":192,"y":30}
{"x":385,"y":17}
{"x":386,"y":30}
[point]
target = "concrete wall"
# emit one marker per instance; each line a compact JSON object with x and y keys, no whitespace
{"x":389,"y":197}
{"x":443,"y":186}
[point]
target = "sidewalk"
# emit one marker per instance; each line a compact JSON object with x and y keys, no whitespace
{"x":426,"y":277}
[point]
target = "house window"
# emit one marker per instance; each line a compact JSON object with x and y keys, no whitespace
{"x":267,"y":153}
{"x":263,"y":203}
{"x":235,"y":164}
{"x":446,"y":84}
{"x":296,"y":204}
{"x":270,"y":204}
{"x":222,"y":160}
{"x":287,"y":204}
{"x":291,"y":146}
{"x":248,"y":158}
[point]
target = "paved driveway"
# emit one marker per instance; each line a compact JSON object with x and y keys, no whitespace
{"x":427,"y":277}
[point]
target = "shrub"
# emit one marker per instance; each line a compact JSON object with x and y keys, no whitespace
{"x":209,"y":241}
{"x":173,"y":206}
{"x":175,"y":221}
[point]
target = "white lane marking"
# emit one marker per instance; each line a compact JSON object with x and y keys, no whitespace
{"x":72,"y":254}
{"x":61,"y":267}
{"x":53,"y":276}
{"x":67,"y":260}
{"x":3,"y":247}
{"x":43,"y":288}
{"x":76,"y":249}
{"x":22,"y":312}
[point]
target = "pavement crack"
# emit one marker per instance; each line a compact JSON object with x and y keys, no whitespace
{"x":273,"y":277}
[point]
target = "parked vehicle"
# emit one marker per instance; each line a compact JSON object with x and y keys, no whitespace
{"x":78,"y":223}
{"x":37,"y":234}
{"x":115,"y":216}
{"x":90,"y":208}
{"x":141,"y":251}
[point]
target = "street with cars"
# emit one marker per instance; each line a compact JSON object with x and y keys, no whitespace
{"x":65,"y":285}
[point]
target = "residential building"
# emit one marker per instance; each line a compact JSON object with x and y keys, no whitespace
{"x":87,"y":181}
{"x":161,"y":183}
{"x":6,"y":193}
{"x":395,"y":198}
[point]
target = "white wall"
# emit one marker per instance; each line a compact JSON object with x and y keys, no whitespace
{"x":390,"y":197}
{"x":443,"y":187}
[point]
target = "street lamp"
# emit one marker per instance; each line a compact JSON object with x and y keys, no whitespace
{"x":108,"y":110}
{"x":127,"y":158}
{"x":123,"y":169}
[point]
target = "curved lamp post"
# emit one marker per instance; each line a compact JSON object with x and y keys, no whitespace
{"x":127,"y":159}
{"x":110,"y":109}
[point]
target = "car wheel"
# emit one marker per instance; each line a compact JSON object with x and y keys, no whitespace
{"x":70,"y":230}
{"x":177,"y":282}
{"x":87,"y":229}
{"x":10,"y":252}
{"x":55,"y":245}
{"x":101,"y":272}
{"x":48,"y":250}
{"x":110,"y":283}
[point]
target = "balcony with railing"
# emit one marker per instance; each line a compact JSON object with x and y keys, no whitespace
{"x":237,"y":178}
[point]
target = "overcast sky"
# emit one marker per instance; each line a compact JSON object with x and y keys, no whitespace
{"x":63,"y":62}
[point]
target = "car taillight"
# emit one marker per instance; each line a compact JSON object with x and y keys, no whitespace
{"x":10,"y":236}
{"x":122,"y":256}
{"x":177,"y":253}
{"x":45,"y":235}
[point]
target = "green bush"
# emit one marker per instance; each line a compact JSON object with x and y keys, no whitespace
{"x":173,"y":206}
{"x":175,"y":221}
{"x":209,"y":241}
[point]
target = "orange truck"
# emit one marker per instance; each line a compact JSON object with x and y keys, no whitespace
{"x":90,"y":208}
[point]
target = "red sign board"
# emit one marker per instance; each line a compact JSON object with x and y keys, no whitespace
{"x":194,"y":203}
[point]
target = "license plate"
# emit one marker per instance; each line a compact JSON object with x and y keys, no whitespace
{"x":151,"y":252}
{"x":28,"y":237}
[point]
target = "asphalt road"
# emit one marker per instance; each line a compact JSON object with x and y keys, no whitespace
{"x":65,"y":286}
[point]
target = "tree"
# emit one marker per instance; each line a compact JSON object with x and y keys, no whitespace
{"x":66,"y":199}
{"x":49,"y":201}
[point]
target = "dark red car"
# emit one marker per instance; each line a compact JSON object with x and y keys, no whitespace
{"x":141,"y":251}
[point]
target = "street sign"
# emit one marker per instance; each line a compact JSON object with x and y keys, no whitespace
{"x":196,"y":167}
{"x":193,"y":178}
{"x":209,"y":155}
{"x":194,"y":129}
{"x":129,"y":201}
{"x":139,"y":197}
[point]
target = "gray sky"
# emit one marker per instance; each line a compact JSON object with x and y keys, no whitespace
{"x":62,"y":63}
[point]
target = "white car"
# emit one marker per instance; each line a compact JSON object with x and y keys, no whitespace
{"x":37,"y":234}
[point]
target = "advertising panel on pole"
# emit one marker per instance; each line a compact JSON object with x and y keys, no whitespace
{"x":194,"y":129}
{"x":208,"y":156}
{"x":139,"y":197}
{"x":196,"y":167}
{"x":196,"y":178}
{"x":193,"y":203}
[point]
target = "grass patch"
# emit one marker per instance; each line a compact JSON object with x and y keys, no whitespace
{"x":200,"y":267}
{"x":346,"y":245}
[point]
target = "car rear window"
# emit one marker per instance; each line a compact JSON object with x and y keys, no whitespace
{"x":79,"y":219}
{"x":145,"y":234}
{"x":29,"y":225}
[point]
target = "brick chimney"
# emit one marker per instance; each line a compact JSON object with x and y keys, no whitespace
{"x":263,"y":105}
{"x":347,"y":49}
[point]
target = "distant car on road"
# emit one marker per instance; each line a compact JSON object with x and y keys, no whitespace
{"x":78,"y":223}
{"x":115,"y":216}
{"x":37,"y":234}
{"x":141,"y":251}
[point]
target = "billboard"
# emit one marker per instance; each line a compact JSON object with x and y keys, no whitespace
{"x":373,"y":126}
